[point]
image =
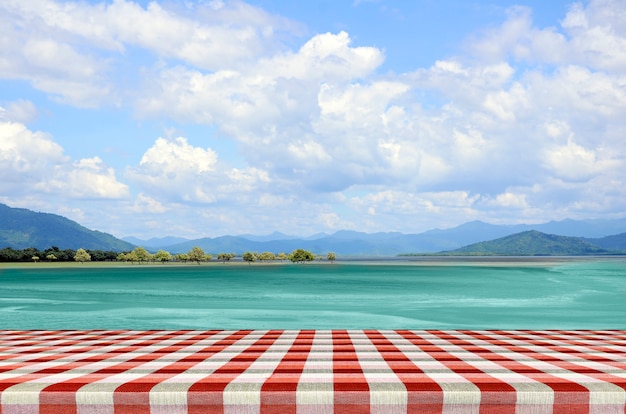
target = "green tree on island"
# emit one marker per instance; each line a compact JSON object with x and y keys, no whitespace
{"x":331,"y":257}
{"x":267,"y":256}
{"x":301,"y":256}
{"x":182,"y":257}
{"x":225,"y":257}
{"x":197,"y":254}
{"x":82,"y":256}
{"x":250,"y":257}
{"x":140,"y":254}
{"x":162,"y":256}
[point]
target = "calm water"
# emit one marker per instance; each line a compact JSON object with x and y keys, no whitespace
{"x":569,"y":295}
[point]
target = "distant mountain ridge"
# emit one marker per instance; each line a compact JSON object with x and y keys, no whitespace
{"x":616,"y":242}
{"x":532,"y":243}
{"x":21,"y":228}
{"x":391,"y":244}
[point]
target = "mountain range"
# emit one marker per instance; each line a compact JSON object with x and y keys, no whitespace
{"x":22,"y":228}
{"x":536,"y":243}
{"x":355,"y":243}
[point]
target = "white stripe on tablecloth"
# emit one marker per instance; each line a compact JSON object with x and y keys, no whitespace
{"x":532,"y":396}
{"x":576,"y":358}
{"x":566,"y":339}
{"x":388,"y":394}
{"x":459,"y":394}
{"x":244,"y":392}
{"x":24,"y":353}
{"x":604,"y":397}
{"x":101,"y":393}
{"x":28,"y":392}
{"x":315,"y":391}
{"x":170,"y":396}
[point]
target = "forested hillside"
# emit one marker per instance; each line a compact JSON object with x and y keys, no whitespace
{"x":21,"y":228}
{"x":532,"y":243}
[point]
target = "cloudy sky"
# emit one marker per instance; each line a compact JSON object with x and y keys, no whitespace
{"x":202,"y":118}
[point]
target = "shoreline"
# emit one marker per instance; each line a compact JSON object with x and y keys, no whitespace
{"x":435,"y":260}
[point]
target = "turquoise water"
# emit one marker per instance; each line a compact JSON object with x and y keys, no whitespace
{"x":586,"y":294}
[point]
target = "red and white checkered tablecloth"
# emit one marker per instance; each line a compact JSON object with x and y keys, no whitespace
{"x":321,"y":371}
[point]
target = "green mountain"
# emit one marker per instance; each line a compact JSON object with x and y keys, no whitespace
{"x":531,"y":243}
{"x":616,"y":242}
{"x":21,"y":228}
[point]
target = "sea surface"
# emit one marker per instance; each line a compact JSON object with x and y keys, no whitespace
{"x":423,"y":294}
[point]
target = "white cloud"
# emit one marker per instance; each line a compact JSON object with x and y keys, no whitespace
{"x":177,"y":157}
{"x":598,"y":34}
{"x":309,"y":153}
{"x":530,"y":124}
{"x":31,"y":162}
{"x":77,"y":51}
{"x":89,"y":178}
{"x":21,"y":111}
{"x":145,"y":204}
{"x":26,"y":156}
{"x":511,"y":200}
{"x":519,"y":39}
{"x":279,"y":87}
{"x":572,"y":162}
{"x":592,"y":35}
{"x":175,"y":170}
{"x":492,"y":129}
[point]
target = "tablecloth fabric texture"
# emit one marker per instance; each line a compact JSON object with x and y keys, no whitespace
{"x":313,"y":371}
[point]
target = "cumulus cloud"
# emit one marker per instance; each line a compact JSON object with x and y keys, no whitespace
{"x":33,"y":163}
{"x":145,"y":204}
{"x":27,"y":154}
{"x":22,"y":111}
{"x":177,"y":157}
{"x":282,"y":86}
{"x":528,"y":124}
{"x":45,"y":42}
{"x":275,"y":107}
{"x":174,"y":169}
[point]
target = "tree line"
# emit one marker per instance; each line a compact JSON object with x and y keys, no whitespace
{"x":52,"y":254}
{"x":141,"y":255}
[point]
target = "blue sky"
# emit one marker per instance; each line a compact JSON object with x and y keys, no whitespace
{"x":205,"y":118}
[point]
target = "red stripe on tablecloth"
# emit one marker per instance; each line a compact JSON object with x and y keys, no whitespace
{"x":496,"y":396}
{"x":207,"y":395}
{"x":558,"y":352}
{"x":133,"y":397}
{"x":608,"y":337}
{"x":278,"y":393}
{"x":61,"y":397}
{"x":54,"y":354}
{"x":563,"y":401}
{"x":571,"y":338}
{"x":424,"y":394}
{"x":567,"y":346}
{"x":57,"y":353}
{"x":351,"y":390}
{"x":36,"y":343}
{"x":569,"y":396}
